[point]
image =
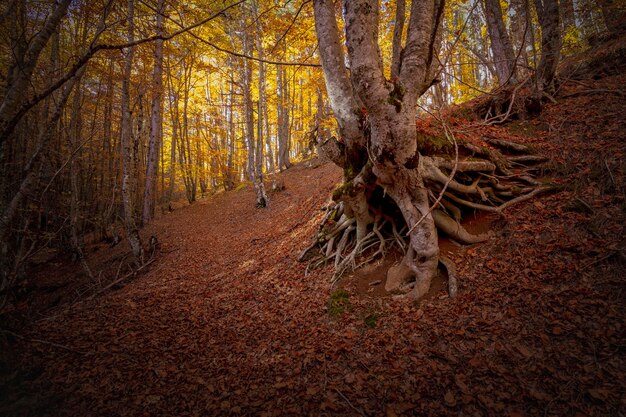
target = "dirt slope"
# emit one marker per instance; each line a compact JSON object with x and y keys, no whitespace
{"x":226,"y":322}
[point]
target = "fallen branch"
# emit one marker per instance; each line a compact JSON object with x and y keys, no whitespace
{"x":118,"y":280}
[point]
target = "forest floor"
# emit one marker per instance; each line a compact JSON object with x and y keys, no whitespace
{"x":226,"y":322}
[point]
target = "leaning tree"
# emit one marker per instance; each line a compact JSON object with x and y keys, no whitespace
{"x":396,"y":189}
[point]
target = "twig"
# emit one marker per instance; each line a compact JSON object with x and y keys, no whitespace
{"x":584,"y":203}
{"x":117,"y":281}
{"x":349,"y":403}
{"x":44,"y":342}
{"x":597,"y":261}
{"x":606,"y":164}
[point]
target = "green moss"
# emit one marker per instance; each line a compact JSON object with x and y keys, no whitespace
{"x":432,"y":145}
{"x":339,"y":303}
{"x":348,"y":173}
{"x":371,"y":319}
{"x":341,"y":190}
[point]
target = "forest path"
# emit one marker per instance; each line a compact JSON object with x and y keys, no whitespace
{"x":226,"y":323}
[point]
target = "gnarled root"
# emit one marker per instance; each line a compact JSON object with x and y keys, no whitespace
{"x":366,"y":222}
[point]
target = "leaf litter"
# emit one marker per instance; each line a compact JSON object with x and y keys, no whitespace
{"x":226,"y":322}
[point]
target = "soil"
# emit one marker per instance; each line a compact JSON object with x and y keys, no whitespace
{"x":226,"y":322}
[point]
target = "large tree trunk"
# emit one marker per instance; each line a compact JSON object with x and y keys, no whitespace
{"x":501,"y":47}
{"x":127,"y":154}
{"x":389,"y":175}
{"x":391,"y":110}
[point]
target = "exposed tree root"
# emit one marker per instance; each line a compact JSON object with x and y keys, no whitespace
{"x":364,"y":223}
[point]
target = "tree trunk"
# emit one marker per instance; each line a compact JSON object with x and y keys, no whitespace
{"x":283,"y":118}
{"x":391,"y":111}
{"x":21,"y":79}
{"x":28,"y":188}
{"x":75,"y":210}
{"x":501,"y":47}
{"x":261,"y":196}
{"x":156,"y":121}
{"x":548,"y":12}
{"x":614,"y":15}
{"x":396,"y":47}
{"x":389,"y":174}
{"x":127,"y":154}
{"x":521,"y":30}
{"x":247,"y":103}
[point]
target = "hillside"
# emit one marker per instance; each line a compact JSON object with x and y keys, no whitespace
{"x":226,"y":322}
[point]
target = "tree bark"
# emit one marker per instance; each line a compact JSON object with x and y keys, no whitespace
{"x":551,"y":40}
{"x":261,"y":196}
{"x":282,"y":86}
{"x":156,"y":121}
{"x":126,"y":143}
{"x":396,"y":47}
{"x":390,"y":109}
{"x":247,"y":103}
{"x":501,"y":47}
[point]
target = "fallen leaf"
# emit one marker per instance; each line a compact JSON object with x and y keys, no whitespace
{"x":449,"y":398}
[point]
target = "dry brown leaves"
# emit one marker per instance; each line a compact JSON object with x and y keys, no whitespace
{"x":226,"y":322}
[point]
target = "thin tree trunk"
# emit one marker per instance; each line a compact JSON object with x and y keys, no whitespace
{"x":501,"y":47}
{"x":21,"y":80}
{"x":156,"y":121}
{"x":28,"y":187}
{"x":247,"y":103}
{"x":125,"y":139}
{"x":75,"y":129}
{"x":548,"y":12}
{"x":283,"y":119}
{"x":230,"y":180}
{"x":261,"y":196}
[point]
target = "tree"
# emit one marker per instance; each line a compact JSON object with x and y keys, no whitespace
{"x":156,"y":120}
{"x":390,"y":109}
{"x":501,"y":47}
{"x":261,"y":196}
{"x":551,"y":39}
{"x":390,"y":175}
{"x":128,"y":178}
